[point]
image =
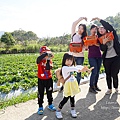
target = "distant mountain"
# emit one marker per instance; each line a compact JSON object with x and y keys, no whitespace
{"x":1,"y":33}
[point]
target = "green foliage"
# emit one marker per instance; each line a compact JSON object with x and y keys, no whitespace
{"x":28,"y":42}
{"x":21,"y":35}
{"x":15,"y":86}
{"x":8,"y":39}
{"x":6,"y":88}
{"x":114,"y":21}
{"x":16,"y":100}
{"x":20,"y":70}
{"x":61,"y":40}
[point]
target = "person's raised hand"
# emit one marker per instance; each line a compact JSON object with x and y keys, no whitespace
{"x":83,"y":18}
{"x":106,"y":39}
{"x":96,"y":18}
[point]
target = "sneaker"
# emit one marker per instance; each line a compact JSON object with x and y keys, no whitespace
{"x":109,"y":91}
{"x":52,"y":107}
{"x":92,"y":90}
{"x":40,"y":111}
{"x":116,"y":90}
{"x":73,"y":113}
{"x":59,"y":115}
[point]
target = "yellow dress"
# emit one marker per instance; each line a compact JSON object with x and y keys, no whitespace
{"x":71,"y":87}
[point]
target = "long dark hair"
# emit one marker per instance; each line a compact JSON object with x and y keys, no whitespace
{"x":67,"y":56}
{"x":85,"y":30}
{"x":99,"y":35}
{"x":93,"y":26}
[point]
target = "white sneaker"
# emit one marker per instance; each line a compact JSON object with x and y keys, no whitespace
{"x":73,"y":113}
{"x":109,"y":91}
{"x":59,"y":115}
{"x":116,"y":90}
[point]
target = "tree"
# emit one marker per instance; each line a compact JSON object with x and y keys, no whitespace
{"x":21,"y":35}
{"x":30,"y":35}
{"x":8,"y":39}
{"x":18,"y":35}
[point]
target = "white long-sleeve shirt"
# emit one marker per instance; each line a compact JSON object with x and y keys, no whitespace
{"x":66,"y":70}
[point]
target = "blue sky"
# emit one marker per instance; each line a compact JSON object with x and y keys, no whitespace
{"x":51,"y":17}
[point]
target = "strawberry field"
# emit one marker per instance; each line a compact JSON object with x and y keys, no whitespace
{"x":20,"y":70}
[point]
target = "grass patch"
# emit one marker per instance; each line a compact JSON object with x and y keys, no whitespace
{"x":15,"y":100}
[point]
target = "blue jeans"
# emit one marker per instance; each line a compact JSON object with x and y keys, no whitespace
{"x":79,"y":61}
{"x":96,"y":63}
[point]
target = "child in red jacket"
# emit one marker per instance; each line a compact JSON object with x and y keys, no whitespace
{"x":45,"y":81}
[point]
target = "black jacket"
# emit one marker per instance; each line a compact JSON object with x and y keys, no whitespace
{"x":116,"y":43}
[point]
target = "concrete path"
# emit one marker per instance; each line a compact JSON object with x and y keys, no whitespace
{"x":88,"y":106}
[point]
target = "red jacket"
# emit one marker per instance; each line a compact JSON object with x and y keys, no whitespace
{"x":42,"y":72}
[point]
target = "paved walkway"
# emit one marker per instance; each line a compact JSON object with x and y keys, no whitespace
{"x":88,"y":106}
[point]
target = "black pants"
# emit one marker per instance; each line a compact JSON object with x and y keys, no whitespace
{"x":42,"y":85}
{"x":112,"y":67}
{"x":65,"y":99}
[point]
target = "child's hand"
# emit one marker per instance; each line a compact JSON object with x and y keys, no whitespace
{"x":83,"y":69}
{"x":86,"y":69}
{"x":50,"y":55}
{"x":46,"y":57}
{"x":89,"y":70}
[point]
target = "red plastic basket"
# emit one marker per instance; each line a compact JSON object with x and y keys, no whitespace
{"x":90,"y":40}
{"x":75,"y":47}
{"x":110,"y":34}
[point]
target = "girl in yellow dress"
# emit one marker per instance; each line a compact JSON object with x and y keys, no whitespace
{"x":71,"y":87}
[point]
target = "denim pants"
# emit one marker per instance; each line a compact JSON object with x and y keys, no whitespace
{"x":79,"y":61}
{"x":96,"y":63}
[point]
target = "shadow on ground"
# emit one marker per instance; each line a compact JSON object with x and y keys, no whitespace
{"x":105,"y":109}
